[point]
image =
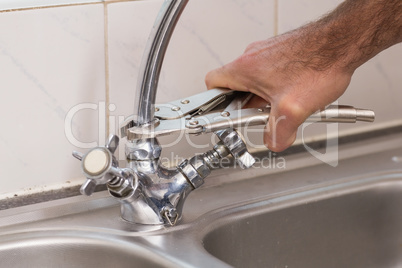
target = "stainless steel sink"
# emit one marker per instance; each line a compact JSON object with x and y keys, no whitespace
{"x":69,"y":248}
{"x":307,"y":216}
{"x":357,"y":223}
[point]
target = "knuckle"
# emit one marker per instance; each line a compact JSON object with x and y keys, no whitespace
{"x":292,"y":111}
{"x":208,"y":79}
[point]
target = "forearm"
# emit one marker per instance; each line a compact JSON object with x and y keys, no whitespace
{"x":354,"y":32}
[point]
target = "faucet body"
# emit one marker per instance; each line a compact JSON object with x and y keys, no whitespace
{"x":158,"y":196}
{"x":160,"y":192}
{"x":149,"y":192}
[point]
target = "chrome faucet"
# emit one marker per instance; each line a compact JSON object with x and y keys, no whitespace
{"x":150,"y":193}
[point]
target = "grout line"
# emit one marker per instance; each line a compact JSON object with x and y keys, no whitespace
{"x":119,"y":1}
{"x":105,"y":2}
{"x":276,"y":17}
{"x":107,"y":82}
{"x":45,"y":7}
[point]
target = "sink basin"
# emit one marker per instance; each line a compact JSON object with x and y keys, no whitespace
{"x":70,"y":248}
{"x":357,"y":223}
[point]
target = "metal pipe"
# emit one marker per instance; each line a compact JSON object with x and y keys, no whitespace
{"x":153,"y":58}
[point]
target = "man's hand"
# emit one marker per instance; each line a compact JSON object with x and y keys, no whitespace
{"x":300,"y":72}
{"x":271,"y":70}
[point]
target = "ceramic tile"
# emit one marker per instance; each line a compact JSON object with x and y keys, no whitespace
{"x":129,"y":24}
{"x":51,"y":60}
{"x":295,"y":13}
{"x":209,"y":34}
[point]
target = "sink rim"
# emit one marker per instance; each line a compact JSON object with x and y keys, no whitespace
{"x":72,"y":239}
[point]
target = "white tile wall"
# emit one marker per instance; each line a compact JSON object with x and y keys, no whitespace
{"x":52,"y":61}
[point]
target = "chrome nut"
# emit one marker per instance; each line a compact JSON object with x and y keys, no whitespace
{"x":191,"y":174}
{"x":200,"y":166}
{"x":233,"y":141}
{"x":221,"y":150}
{"x":122,"y":189}
{"x":146,"y":149}
{"x":124,"y":186}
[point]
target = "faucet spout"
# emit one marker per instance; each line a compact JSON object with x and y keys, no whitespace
{"x":153,"y":59}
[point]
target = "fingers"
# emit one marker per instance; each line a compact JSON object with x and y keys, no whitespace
{"x":234,"y":75}
{"x":222,"y":78}
{"x":256,"y":102}
{"x":217,"y":78}
{"x":285,"y":117}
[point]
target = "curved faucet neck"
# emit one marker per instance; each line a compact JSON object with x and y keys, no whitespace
{"x":153,"y":59}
